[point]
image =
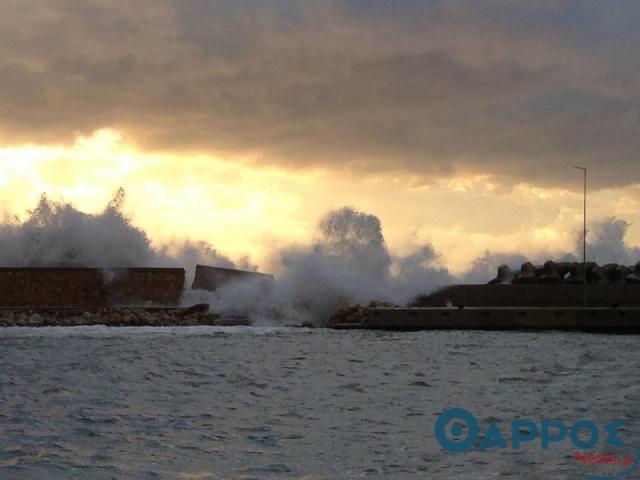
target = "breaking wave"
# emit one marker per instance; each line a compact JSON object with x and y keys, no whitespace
{"x":56,"y":234}
{"x":347,"y":262}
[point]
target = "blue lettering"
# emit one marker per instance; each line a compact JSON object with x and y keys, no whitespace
{"x":611,"y":429}
{"x":457,"y":415}
{"x":518,"y":436}
{"x":584,"y":425}
{"x":493,"y":438}
{"x":546,"y":437}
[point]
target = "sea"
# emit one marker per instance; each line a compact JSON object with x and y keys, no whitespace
{"x":296,"y":403}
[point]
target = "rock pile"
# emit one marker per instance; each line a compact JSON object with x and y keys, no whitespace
{"x":116,"y":317}
{"x":353,"y":315}
{"x":568,"y":273}
{"x":356,"y":314}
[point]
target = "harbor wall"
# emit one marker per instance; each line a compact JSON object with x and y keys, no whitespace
{"x":90,"y":287}
{"x":498,"y":318}
{"x":533,"y":295}
{"x":139,"y":286}
{"x":212,"y":278}
{"x":23,"y":287}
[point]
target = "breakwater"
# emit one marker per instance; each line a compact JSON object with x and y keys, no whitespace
{"x":594,"y":319}
{"x":90,"y":287}
{"x":212,"y":278}
{"x":116,"y":317}
{"x":533,"y":295}
{"x":38,"y":297}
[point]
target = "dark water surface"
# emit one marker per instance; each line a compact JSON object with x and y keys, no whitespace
{"x":212,"y":403}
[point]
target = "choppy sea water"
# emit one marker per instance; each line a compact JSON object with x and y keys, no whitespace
{"x":212,"y":403}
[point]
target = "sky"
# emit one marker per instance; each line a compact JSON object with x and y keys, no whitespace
{"x":243,"y":122}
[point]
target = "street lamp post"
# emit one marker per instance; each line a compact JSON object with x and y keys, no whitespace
{"x":584,"y":239}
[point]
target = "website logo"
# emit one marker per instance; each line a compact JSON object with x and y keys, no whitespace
{"x":458,"y":430}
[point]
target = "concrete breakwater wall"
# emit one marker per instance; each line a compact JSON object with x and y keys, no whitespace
{"x":139,"y":286}
{"x":90,"y":287}
{"x":490,"y":318}
{"x":532,"y":295}
{"x":212,"y":278}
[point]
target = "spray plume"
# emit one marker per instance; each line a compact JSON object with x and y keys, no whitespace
{"x":56,"y":234}
{"x":348,"y":262}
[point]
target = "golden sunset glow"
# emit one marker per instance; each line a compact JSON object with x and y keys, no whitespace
{"x":248,"y":210}
{"x":317,"y":239}
{"x":243,"y":125}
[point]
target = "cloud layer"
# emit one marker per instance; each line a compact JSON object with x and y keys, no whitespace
{"x":513,"y":90}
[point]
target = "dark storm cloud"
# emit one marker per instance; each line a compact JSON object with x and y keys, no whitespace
{"x":521,"y":90}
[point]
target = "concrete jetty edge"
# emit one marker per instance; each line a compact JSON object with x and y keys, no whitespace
{"x":593,"y":319}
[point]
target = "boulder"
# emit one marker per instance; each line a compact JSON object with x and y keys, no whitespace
{"x":505,"y":276}
{"x":353,"y":315}
{"x":528,"y":274}
{"x":576,"y":274}
{"x":550,"y":273}
{"x":379,"y":304}
{"x":616,"y":273}
{"x":634,"y":276}
{"x":599,"y":275}
{"x":198,"y":308}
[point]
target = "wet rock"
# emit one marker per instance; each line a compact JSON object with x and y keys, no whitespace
{"x":576,"y":274}
{"x":563,"y":269}
{"x":634,"y":277}
{"x":550,"y":273}
{"x":209,"y":319}
{"x":233,"y":322}
{"x":505,"y":276}
{"x":353,"y":315}
{"x":599,"y":275}
{"x":590,"y":268}
{"x":621,"y":272}
{"x":114,"y":317}
{"x":198,"y":308}
{"x":528,"y":274}
{"x":377,"y":304}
